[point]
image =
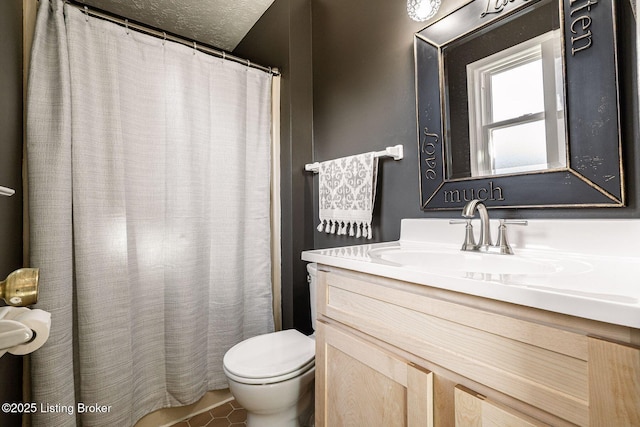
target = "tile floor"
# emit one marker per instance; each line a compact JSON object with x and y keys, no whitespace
{"x":229,"y":414}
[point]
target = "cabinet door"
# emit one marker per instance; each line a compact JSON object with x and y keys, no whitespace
{"x":614,"y":383}
{"x":360,"y":384}
{"x":474,"y":410}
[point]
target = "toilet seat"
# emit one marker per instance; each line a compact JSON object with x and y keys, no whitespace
{"x":270,"y":358}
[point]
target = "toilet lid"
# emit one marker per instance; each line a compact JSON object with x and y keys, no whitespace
{"x":270,"y":355}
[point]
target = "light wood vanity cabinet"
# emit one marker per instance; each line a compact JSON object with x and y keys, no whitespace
{"x":392,"y":353}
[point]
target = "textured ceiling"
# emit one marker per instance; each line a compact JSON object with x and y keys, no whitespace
{"x":219,"y":23}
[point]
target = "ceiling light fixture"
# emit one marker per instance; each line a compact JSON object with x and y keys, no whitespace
{"x":421,"y":10}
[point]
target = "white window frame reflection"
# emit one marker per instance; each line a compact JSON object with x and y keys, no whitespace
{"x":547,"y":49}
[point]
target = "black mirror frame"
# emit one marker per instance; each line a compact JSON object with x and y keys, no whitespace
{"x":594,"y":174}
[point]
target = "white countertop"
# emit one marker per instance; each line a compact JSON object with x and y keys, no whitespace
{"x":592,"y":266}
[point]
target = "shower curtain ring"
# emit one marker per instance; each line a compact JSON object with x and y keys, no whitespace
{"x":126,"y":26}
{"x":164,"y":38}
{"x":195,"y":48}
{"x":86,"y":14}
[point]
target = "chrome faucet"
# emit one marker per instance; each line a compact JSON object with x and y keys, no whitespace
{"x":485,"y":245}
{"x":469,"y":211}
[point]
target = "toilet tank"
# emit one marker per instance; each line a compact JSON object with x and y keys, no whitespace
{"x":312,"y":269}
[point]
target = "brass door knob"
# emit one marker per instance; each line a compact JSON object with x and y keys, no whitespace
{"x":20,"y":289}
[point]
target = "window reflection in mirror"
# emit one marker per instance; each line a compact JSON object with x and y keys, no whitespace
{"x":505,"y":97}
{"x":516,"y":118}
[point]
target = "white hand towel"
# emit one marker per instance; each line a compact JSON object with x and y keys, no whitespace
{"x":347,"y":193}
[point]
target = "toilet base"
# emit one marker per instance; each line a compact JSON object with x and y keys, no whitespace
{"x":300,"y":415}
{"x":289,"y":403}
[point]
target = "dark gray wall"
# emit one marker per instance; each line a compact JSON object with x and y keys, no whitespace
{"x":10,"y":176}
{"x":363,"y":100}
{"x":282,"y":38}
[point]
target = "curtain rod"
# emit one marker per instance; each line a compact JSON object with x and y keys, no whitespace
{"x":107,"y":16}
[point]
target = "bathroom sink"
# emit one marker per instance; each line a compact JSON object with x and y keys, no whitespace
{"x":452,"y":261}
{"x":584,"y":268}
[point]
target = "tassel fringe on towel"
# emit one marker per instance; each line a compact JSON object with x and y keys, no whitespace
{"x":355,"y":228}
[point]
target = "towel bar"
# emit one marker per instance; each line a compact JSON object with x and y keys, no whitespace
{"x":6,"y":191}
{"x":396,"y":152}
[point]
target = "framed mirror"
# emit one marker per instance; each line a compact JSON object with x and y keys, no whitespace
{"x":517,"y":105}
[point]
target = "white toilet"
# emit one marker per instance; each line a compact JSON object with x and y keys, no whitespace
{"x":272,"y":375}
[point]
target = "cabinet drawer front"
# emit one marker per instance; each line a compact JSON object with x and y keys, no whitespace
{"x":543,"y":376}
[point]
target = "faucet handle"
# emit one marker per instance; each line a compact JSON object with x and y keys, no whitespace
{"x":503,"y":244}
{"x":469,"y":239}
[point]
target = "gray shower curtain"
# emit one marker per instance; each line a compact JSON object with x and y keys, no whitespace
{"x":148,"y":171}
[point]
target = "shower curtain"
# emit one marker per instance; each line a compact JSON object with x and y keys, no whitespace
{"x":148,"y":174}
